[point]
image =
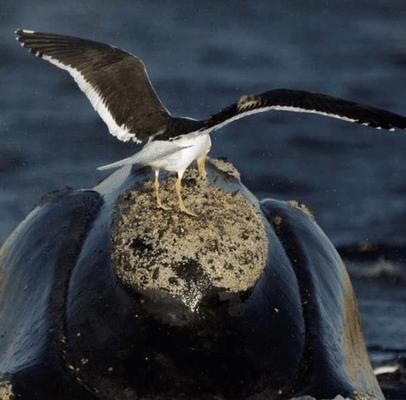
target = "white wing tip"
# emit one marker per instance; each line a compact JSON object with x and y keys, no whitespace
{"x":19,"y":31}
{"x":27,"y":31}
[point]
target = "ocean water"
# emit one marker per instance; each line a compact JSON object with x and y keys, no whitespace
{"x":201,"y":56}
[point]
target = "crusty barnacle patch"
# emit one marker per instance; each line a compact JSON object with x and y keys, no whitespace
{"x":6,"y":390}
{"x":302,"y":207}
{"x":363,"y":396}
{"x":277,"y":220}
{"x":225,"y":247}
{"x":226,"y":167}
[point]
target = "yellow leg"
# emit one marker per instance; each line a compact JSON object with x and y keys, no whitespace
{"x":201,"y":166}
{"x":182,"y":206}
{"x":158,"y":199}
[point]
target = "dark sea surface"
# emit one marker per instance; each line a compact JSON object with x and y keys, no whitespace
{"x":201,"y":56}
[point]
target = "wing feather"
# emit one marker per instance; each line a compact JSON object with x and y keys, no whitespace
{"x":115,"y":82}
{"x":305,"y":102}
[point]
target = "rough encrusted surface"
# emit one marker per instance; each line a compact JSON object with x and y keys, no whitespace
{"x":255,"y":397}
{"x":302,"y":207}
{"x":226,"y":167}
{"x":312,"y":398}
{"x":6,"y":391}
{"x":225,"y":247}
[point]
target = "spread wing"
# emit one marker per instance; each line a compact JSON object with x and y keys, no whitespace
{"x":305,"y":102}
{"x":115,"y":82}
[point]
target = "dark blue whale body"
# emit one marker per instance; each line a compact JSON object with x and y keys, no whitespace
{"x":70,"y":330}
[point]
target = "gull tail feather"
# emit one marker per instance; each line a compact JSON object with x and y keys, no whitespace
{"x":150,"y":153}
{"x":117,"y":164}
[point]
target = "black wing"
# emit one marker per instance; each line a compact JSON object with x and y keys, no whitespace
{"x":115,"y":82}
{"x":306,"y":102}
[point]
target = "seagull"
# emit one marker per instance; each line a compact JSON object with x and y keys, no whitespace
{"x":118,"y":87}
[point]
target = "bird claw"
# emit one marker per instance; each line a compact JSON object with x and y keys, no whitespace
{"x":162,"y":207}
{"x":203,"y":175}
{"x":186,"y":211}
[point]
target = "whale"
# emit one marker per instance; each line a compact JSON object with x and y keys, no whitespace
{"x":104,"y":296}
